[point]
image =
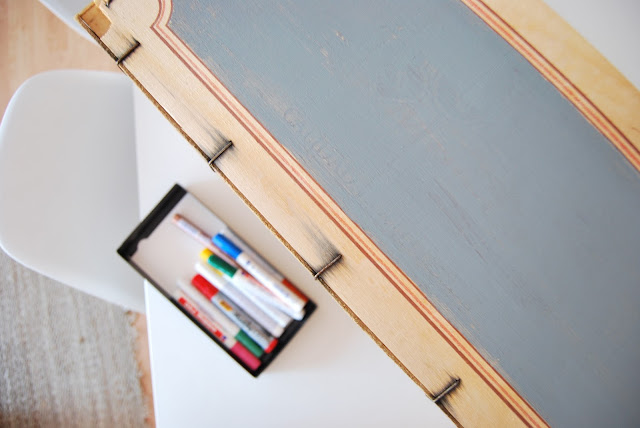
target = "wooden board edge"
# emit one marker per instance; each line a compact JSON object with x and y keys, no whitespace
{"x":95,"y":22}
{"x":582,"y":74}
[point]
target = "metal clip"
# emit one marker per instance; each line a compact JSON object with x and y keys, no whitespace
{"x":439,"y":396}
{"x":326,"y":267}
{"x":219,"y":153}
{"x":124,"y":56}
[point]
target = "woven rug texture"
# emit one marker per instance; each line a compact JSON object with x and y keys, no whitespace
{"x":66,"y":359}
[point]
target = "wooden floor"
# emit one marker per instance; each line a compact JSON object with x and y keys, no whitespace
{"x":33,"y":40}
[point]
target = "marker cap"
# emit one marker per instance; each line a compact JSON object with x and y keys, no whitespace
{"x":221,"y":265}
{"x":248,"y":343}
{"x":245,"y":356}
{"x":272,"y":345}
{"x":226,"y":245}
{"x":205,"y":254}
{"x":204,"y":286}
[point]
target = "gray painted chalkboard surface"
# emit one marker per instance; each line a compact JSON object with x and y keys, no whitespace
{"x":514,"y":215}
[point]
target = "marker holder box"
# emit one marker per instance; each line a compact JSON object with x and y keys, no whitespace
{"x":162,"y":253}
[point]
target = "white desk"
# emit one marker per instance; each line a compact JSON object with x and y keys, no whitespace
{"x":332,"y":373}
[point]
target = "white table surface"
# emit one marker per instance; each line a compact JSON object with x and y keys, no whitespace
{"x":331,"y":373}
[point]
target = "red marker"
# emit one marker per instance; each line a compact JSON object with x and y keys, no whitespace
{"x":229,"y":342}
{"x":226,"y":325}
{"x":259,"y":315}
{"x":235,"y":314}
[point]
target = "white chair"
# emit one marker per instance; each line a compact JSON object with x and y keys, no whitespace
{"x":68,"y":182}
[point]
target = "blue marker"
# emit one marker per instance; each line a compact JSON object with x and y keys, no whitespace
{"x":271,"y":279}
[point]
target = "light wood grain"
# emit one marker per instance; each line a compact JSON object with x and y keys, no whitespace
{"x":33,"y":40}
{"x":314,"y":228}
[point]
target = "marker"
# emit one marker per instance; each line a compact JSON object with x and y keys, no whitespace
{"x":199,"y":235}
{"x":216,"y":315}
{"x":221,"y":283}
{"x":247,"y":284}
{"x":238,"y":242}
{"x":235,"y":314}
{"x":275,"y":282}
{"x":229,"y":342}
{"x":275,"y":315}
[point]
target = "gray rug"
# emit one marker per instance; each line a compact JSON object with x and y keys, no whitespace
{"x":66,"y":359}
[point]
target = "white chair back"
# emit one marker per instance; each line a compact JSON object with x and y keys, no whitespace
{"x":68,"y":182}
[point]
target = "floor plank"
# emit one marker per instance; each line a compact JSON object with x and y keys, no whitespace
{"x":33,"y":40}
